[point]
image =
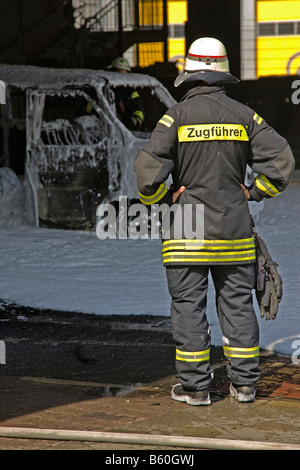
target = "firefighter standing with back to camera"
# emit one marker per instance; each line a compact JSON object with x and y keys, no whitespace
{"x":206,"y":141}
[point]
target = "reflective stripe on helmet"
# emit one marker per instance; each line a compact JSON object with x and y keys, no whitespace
{"x":207,"y":58}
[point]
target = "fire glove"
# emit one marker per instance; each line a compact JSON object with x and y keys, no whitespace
{"x":269,"y":282}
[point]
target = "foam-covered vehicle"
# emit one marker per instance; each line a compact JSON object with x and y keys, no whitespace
{"x":72,"y":159}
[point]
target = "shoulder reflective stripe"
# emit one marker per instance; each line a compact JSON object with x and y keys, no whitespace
{"x":197,"y":356}
{"x":155,"y":197}
{"x":166,"y":120}
{"x":241,"y":352}
{"x":203,"y":132}
{"x":134,"y":95}
{"x":266,"y":186}
{"x":208,"y":251}
{"x":257,"y":118}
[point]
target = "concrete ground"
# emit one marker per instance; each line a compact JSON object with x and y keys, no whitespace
{"x":111,"y":378}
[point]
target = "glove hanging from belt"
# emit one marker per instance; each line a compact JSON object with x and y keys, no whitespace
{"x":268,"y":283}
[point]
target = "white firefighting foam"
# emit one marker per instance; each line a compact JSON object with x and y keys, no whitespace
{"x":75,"y":271}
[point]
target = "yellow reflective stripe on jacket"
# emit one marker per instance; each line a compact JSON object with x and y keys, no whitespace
{"x":155,"y":197}
{"x":134,"y":95}
{"x":266,"y":186}
{"x":166,"y":120}
{"x":186,"y":244}
{"x":203,"y":132}
{"x":257,"y":118}
{"x":139,"y":115}
{"x":197,"y":356}
{"x":208,"y":251}
{"x":209,"y":258}
{"x":241,"y":352}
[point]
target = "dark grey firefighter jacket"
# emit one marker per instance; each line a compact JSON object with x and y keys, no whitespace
{"x":206,"y":142}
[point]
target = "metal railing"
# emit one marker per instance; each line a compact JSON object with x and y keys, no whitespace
{"x":110,"y":15}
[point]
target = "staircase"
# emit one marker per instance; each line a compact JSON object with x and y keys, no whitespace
{"x":95,"y":40}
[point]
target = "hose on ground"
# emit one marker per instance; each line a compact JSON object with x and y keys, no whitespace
{"x":143,"y":439}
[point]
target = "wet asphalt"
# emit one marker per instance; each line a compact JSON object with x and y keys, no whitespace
{"x":113,"y":376}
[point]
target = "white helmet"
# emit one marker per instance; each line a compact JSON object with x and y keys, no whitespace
{"x":206,"y":61}
{"x":120,"y":63}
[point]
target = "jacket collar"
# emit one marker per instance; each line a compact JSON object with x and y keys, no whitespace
{"x":203,"y":90}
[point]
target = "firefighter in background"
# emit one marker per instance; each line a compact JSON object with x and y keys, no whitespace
{"x":206,"y":141}
{"x":128,"y":101}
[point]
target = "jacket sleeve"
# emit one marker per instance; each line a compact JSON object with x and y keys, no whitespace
{"x":270,"y":157}
{"x":155,"y":162}
{"x":136,"y":109}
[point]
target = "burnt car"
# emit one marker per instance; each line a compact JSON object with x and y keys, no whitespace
{"x":73,"y":159}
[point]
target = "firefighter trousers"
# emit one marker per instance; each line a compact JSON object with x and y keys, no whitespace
{"x":188,"y":286}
